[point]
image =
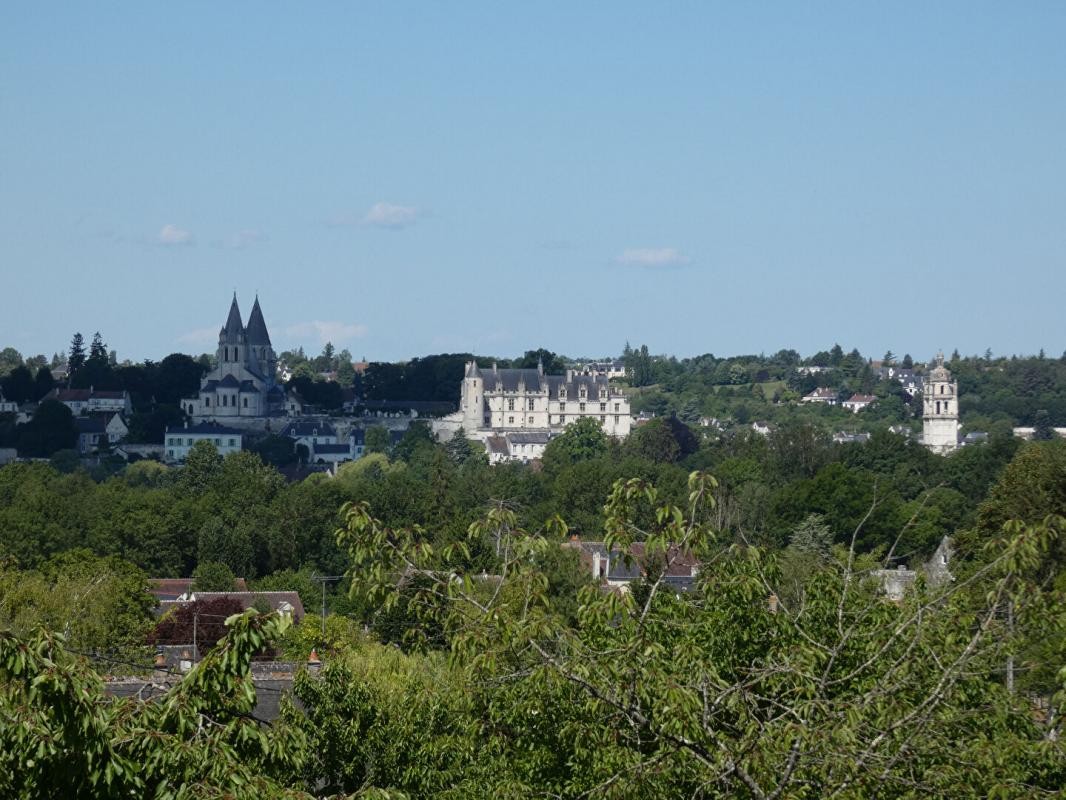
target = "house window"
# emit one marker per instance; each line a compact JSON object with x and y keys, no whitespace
{"x":531,"y":420}
{"x":603,"y":419}
{"x":510,"y":404}
{"x":530,"y":404}
{"x":225,"y":354}
{"x":246,"y":402}
{"x":603,"y":406}
{"x":615,"y":419}
{"x":218,"y":442}
{"x":225,"y":400}
{"x":510,"y":420}
{"x":207,"y":402}
{"x":581,"y":407}
{"x":190,"y":442}
{"x":616,"y":408}
{"x":232,"y":442}
{"x":562,"y":406}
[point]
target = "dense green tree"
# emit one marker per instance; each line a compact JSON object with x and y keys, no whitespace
{"x":18,"y":385}
{"x":1042,"y":429}
{"x":51,"y":429}
{"x":213,"y":576}
{"x":376,"y":439}
{"x":76,"y":355}
{"x":580,"y":441}
{"x":43,"y":383}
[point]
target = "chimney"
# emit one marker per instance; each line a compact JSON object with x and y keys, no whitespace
{"x":493,"y":367}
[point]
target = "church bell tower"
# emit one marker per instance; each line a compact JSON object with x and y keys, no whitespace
{"x":940,"y":406}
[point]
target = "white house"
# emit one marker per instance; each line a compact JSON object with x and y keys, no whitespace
{"x":822,"y":394}
{"x":7,"y":406}
{"x":857,"y":402}
{"x":92,"y":401}
{"x":523,"y":446}
{"x":178,"y":440}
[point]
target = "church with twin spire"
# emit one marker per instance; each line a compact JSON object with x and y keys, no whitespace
{"x":243,"y":386}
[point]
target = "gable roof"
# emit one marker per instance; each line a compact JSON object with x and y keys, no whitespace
{"x":301,"y":429}
{"x":205,"y":428}
{"x":173,"y":588}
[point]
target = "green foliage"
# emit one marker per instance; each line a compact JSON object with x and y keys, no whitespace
{"x":581,"y":441}
{"x":62,"y":738}
{"x":213,"y":576}
{"x":376,"y":440}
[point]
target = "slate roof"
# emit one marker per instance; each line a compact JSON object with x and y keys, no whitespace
{"x":213,"y":428}
{"x":233,"y":327}
{"x":90,"y":424}
{"x":229,"y":382}
{"x":862,"y":398}
{"x":83,"y":395}
{"x":508,"y":380}
{"x":357,"y":436}
{"x":681,"y":565}
{"x":276,"y":600}
{"x":497,"y":445}
{"x":531,"y":437}
{"x":173,"y":588}
{"x":302,"y":429}
{"x":257,"y":329}
{"x":325,"y":449}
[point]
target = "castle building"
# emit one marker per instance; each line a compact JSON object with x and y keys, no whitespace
{"x":498,"y":402}
{"x":243,"y":385}
{"x":940,"y":406}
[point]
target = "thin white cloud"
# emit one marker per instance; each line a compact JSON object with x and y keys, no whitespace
{"x":389,"y":215}
{"x":652,"y":257}
{"x":199,"y":336}
{"x":326,"y":331}
{"x":171,"y":236}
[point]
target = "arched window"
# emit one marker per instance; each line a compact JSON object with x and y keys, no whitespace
{"x":225,"y":354}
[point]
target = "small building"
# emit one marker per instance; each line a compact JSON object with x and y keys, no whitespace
{"x":522,"y":446}
{"x":7,"y":406}
{"x":99,"y":430}
{"x":823,"y":394}
{"x":310,"y":432}
{"x":842,"y":437}
{"x":857,"y":402}
{"x":285,"y":603}
{"x":679,"y":567}
{"x":92,"y":401}
{"x":178,"y":440}
{"x":762,"y":428}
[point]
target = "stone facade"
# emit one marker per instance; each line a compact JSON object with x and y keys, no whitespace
{"x":940,"y":405}
{"x":242,"y":389}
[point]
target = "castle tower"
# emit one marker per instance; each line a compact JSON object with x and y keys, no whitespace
{"x":940,"y":406}
{"x":473,"y":405}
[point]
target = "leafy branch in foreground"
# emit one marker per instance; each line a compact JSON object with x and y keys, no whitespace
{"x":718,"y":691}
{"x":60,"y":736}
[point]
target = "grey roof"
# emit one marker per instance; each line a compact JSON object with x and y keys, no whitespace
{"x":531,"y":437}
{"x":497,"y":444}
{"x":257,"y":329}
{"x":90,"y":424}
{"x":358,"y":435}
{"x":508,"y":380}
{"x":205,"y":428}
{"x":332,"y":448}
{"x":229,"y":382}
{"x":233,"y":327}
{"x":301,"y":429}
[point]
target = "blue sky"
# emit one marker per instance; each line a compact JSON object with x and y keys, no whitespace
{"x":411,"y":178}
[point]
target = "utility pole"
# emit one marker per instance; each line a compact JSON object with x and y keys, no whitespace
{"x":323,"y":579}
{"x":195,"y":623}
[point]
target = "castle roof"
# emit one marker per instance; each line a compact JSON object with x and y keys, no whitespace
{"x":257,"y":329}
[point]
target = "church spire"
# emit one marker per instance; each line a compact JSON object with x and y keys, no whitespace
{"x":233,"y":327}
{"x":257,"y":329}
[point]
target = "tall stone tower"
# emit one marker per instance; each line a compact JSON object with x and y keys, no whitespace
{"x":473,"y":399}
{"x":940,"y":417}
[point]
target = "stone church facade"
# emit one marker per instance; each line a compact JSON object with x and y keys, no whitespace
{"x":243,"y":386}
